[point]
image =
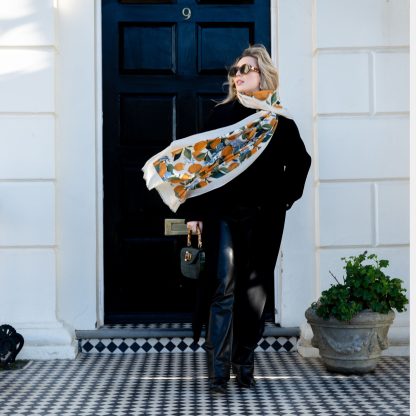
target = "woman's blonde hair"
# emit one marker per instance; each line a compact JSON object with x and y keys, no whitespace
{"x":269,"y":77}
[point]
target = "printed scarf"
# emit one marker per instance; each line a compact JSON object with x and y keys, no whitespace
{"x":202,"y":162}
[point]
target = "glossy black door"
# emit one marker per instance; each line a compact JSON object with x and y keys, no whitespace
{"x":163,"y":63}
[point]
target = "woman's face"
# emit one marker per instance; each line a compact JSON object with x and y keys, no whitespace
{"x":249,"y":82}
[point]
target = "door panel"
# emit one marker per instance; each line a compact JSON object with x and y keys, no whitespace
{"x":225,"y":2}
{"x":162,"y":68}
{"x":147,"y":1}
{"x":138,"y":110}
{"x":139,"y":56}
{"x":233,"y":38}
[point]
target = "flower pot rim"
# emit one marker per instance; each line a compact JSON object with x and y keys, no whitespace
{"x":360,"y":318}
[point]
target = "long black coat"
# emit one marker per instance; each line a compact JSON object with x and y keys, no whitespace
{"x":269,"y":187}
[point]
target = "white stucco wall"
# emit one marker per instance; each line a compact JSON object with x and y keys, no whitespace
{"x":412,"y":92}
{"x":28,"y":181}
{"x":361,"y":140}
{"x":344,"y":78}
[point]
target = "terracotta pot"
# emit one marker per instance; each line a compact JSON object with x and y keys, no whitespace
{"x":353,"y":346}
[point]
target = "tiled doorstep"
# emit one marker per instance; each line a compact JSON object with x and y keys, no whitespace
{"x":173,"y":337}
{"x":174,"y":344}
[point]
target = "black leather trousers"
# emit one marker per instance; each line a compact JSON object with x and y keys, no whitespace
{"x":248,"y":242}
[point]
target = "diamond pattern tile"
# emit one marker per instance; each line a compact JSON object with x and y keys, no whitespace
{"x":176,"y":344}
{"x":169,"y":344}
{"x":177,"y":384}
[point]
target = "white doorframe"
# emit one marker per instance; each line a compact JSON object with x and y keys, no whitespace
{"x":293,"y":33}
{"x":278,"y":269}
{"x":99,"y":163}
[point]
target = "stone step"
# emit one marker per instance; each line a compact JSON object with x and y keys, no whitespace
{"x":171,"y":337}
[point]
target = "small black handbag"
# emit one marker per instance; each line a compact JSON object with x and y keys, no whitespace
{"x":193,"y":259}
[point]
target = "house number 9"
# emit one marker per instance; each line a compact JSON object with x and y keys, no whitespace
{"x":186,"y":13}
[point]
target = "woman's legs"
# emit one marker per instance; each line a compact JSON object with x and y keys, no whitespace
{"x":258,"y":245}
{"x":248,"y":326}
{"x":248,"y":245}
{"x":219,"y":331}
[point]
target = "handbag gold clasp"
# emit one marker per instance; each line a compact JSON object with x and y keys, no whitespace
{"x":188,"y":256}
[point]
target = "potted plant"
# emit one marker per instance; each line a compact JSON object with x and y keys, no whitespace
{"x":350,"y":320}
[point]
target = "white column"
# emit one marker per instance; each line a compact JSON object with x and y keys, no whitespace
{"x":294,"y":61}
{"x":28,"y":245}
{"x":77,"y":160}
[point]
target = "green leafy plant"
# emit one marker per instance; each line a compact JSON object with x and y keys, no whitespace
{"x":365,"y":286}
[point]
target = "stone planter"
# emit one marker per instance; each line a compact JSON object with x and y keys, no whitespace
{"x":354,"y":346}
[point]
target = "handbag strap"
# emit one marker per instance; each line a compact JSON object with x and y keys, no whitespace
{"x":199,"y":234}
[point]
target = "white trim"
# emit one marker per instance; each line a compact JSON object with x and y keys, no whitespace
{"x":278,"y":275}
{"x":315,"y":156}
{"x":294,"y":48}
{"x":273,"y":32}
{"x":278,"y":272}
{"x":99,"y":163}
{"x":76,"y":168}
{"x":412,"y":134}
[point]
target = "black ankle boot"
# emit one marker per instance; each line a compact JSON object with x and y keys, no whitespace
{"x":244,"y":375}
{"x":218,"y":385}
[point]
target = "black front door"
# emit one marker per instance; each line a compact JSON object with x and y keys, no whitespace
{"x":163,"y":63}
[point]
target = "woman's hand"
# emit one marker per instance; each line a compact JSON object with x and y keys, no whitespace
{"x":191,"y":225}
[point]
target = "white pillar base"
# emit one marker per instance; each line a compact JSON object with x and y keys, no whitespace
{"x":46,"y":341}
{"x":397,"y":351}
{"x":308,"y":352}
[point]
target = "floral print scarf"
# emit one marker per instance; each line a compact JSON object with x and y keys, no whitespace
{"x":200,"y":163}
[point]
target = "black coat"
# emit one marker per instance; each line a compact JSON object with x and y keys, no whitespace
{"x":276,"y":178}
{"x":269,"y":187}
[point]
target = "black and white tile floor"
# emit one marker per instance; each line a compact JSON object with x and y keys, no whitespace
{"x":176,"y":384}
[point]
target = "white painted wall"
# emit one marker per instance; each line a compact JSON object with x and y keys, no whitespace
{"x":28,"y":245}
{"x":412,"y":93}
{"x":361,"y":140}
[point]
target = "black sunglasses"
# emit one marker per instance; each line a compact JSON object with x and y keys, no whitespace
{"x":244,"y":69}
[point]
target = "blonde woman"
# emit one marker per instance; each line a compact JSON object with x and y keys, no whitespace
{"x":236,"y":181}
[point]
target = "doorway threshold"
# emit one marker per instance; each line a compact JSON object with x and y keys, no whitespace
{"x":147,"y":318}
{"x":178,"y":329}
{"x":170,"y":337}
